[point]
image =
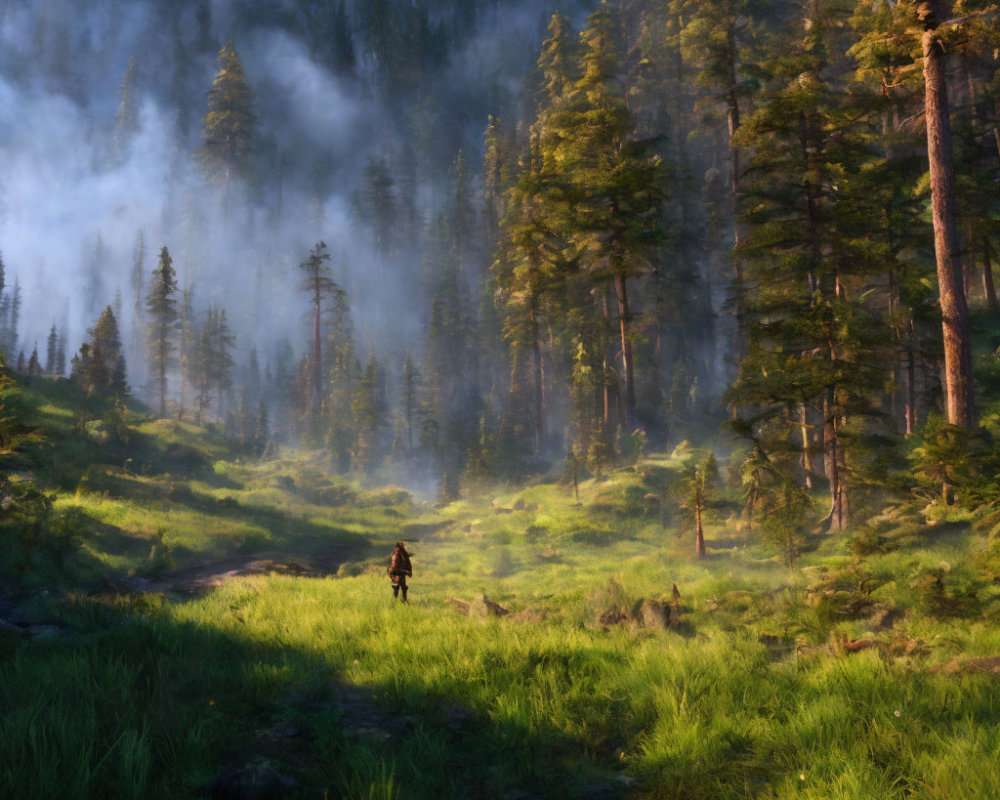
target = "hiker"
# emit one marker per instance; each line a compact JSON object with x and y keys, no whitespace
{"x":399,"y":569}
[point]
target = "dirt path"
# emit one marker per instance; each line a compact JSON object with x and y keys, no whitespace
{"x":199,"y":579}
{"x":194,"y":580}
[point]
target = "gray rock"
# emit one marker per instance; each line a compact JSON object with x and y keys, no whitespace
{"x":653,"y":615}
{"x":44,"y":632}
{"x":253,"y":782}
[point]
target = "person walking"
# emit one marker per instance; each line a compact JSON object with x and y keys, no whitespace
{"x":399,"y":569}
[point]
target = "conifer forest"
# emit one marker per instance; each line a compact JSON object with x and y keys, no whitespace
{"x":661,"y":335}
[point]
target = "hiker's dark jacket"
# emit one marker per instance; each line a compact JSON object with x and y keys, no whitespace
{"x":400,"y":566}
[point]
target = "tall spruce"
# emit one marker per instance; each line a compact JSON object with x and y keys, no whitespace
{"x":229,"y":127}
{"x":161,"y":310}
{"x":99,"y":367}
{"x":51,"y":349}
{"x":319,"y":286}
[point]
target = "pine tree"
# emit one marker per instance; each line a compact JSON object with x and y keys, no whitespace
{"x":199,"y":367}
{"x":139,"y":296}
{"x":616,"y":183}
{"x":409,"y":399}
{"x":815,"y":347}
{"x":223,"y":342}
{"x":96,"y":269}
{"x":959,"y":390}
{"x":261,"y":431}
{"x":718,"y":37}
{"x":344,"y":377}
{"x":700,"y":489}
{"x":318,"y":283}
{"x":161,"y":308}
{"x":34,"y":365}
{"x":127,"y":121}
{"x":61,"y":354}
{"x":380,"y":209}
{"x":210,"y":363}
{"x":11,"y":335}
{"x":99,"y":367}
{"x":229,"y":127}
{"x":187,"y":337}
{"x":51,"y":349}
{"x":370,"y":409}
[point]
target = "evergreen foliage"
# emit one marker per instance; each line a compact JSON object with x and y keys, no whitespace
{"x":99,"y":366}
{"x":229,"y":127}
{"x":161,"y":308}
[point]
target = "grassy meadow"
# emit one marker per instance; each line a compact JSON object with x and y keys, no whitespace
{"x":863,"y":670}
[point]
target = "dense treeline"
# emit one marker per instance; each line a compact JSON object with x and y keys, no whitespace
{"x":685,"y":212}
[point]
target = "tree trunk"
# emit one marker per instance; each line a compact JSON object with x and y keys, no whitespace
{"x":831,"y":462}
{"x":911,"y":388}
{"x":161,"y":370}
{"x":538,"y":390}
{"x":806,"y":464}
{"x":733,"y":122}
{"x":959,"y":396}
{"x":989,"y":288}
{"x":699,"y":536}
{"x":315,"y":368}
{"x":624,"y":317}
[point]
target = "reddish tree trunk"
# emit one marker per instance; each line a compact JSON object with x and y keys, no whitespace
{"x":831,"y":463}
{"x":699,"y":536}
{"x":959,"y":396}
{"x":989,"y":288}
{"x":911,"y":390}
{"x":806,"y":462}
{"x":538,"y":389}
{"x":624,"y":317}
{"x":733,"y":123}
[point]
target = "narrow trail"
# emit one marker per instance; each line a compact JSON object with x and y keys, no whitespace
{"x":193,"y":580}
{"x":199,"y":579}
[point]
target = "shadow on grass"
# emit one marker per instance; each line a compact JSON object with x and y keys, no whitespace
{"x":288,"y":536}
{"x":152,"y":707}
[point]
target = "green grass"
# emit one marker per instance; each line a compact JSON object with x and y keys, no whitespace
{"x":755,"y":696}
{"x":153,"y":706}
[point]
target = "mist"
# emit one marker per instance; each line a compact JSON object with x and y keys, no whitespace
{"x":72,"y":207}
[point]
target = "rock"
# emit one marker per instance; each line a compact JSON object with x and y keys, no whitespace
{"x":652,"y":615}
{"x":460,"y":606}
{"x":519,"y":504}
{"x":886,"y":618}
{"x":599,"y":791}
{"x":371,"y":731}
{"x":614,"y":616}
{"x":279,"y":731}
{"x":43,"y":632}
{"x":857,"y":645}
{"x":253,"y":782}
{"x":675,"y":609}
{"x":840,"y":644}
{"x":989,"y":665}
{"x":495,"y":609}
{"x":11,"y":627}
{"x":457,"y":719}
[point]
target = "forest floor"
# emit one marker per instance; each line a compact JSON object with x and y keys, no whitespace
{"x":225,"y":628}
